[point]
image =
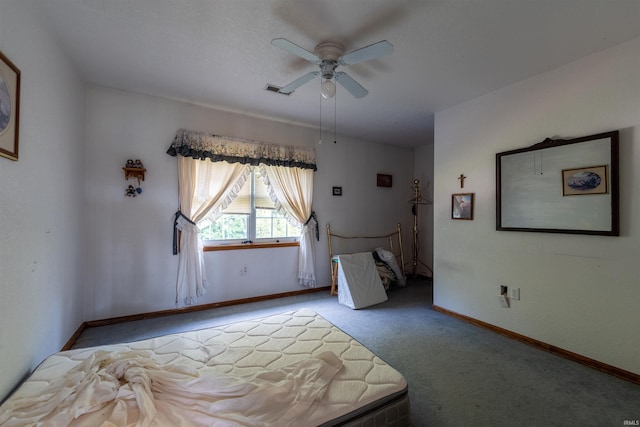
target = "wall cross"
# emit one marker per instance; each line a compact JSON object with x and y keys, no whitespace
{"x":461,"y":178}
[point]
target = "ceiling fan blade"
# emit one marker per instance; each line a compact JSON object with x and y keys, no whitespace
{"x":367,"y":53}
{"x":351,"y":85}
{"x":296,"y":50}
{"x":299,"y":82}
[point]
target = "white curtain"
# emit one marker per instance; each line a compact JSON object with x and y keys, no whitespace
{"x":292,"y":192}
{"x":205,"y":188}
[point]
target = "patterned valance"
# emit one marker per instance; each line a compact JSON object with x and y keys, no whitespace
{"x":234,"y":150}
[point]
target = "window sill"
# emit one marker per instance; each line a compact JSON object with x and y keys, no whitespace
{"x":250,"y":246}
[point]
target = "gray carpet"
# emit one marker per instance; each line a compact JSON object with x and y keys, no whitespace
{"x":458,"y":374}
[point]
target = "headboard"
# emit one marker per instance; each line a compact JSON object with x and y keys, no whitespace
{"x":340,"y":244}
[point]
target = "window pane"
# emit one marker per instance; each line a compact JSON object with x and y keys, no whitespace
{"x":270,"y":224}
{"x":228,"y":226}
{"x":263,"y":228}
{"x":279,"y":226}
{"x":234,"y":226}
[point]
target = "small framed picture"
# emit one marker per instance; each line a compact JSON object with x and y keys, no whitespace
{"x":383,"y":180}
{"x":462,"y":206}
{"x":591,"y":180}
{"x":337,"y":191}
{"x":9,"y":108}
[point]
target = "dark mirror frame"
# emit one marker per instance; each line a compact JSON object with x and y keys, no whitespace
{"x":554,"y":181}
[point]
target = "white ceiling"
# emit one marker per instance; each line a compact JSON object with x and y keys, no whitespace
{"x":218,"y":52}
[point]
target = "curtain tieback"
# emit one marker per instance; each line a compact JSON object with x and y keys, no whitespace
{"x":314,"y":217}
{"x":175,"y":230}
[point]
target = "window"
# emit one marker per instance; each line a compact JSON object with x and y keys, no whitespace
{"x":252,"y":216}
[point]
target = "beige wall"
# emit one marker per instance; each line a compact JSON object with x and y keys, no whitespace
{"x":130,"y":265}
{"x":41,"y":218}
{"x":579,"y":293}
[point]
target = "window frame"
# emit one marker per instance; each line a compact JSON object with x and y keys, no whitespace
{"x":250,"y":241}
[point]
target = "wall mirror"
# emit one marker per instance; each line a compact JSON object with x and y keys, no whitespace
{"x":560,"y":186}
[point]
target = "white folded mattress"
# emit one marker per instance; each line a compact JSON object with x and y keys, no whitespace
{"x":359,"y":283}
{"x":365,"y":388}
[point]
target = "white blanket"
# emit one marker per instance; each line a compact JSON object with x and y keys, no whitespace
{"x":131,"y":389}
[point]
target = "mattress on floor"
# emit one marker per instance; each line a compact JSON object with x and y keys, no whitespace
{"x":365,"y":391}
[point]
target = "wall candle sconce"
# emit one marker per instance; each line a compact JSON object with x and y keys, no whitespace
{"x":135,"y":170}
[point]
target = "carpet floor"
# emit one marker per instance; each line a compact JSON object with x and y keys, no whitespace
{"x":458,"y":374}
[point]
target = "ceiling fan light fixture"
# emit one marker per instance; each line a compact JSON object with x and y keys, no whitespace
{"x":327,"y":89}
{"x":328,"y":56}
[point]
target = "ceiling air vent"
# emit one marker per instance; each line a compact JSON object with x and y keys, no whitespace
{"x":271,"y":88}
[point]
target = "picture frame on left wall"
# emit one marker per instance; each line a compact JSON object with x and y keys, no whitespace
{"x":9,"y":108}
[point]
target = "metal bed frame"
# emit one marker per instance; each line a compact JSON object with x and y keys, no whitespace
{"x":395,"y":248}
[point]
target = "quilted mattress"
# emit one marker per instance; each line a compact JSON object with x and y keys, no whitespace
{"x":365,"y":391}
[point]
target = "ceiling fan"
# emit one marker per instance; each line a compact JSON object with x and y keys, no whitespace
{"x":328,"y":56}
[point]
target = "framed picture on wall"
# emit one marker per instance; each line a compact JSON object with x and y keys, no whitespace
{"x":384,"y":180}
{"x":9,"y":108}
{"x":592,"y":180}
{"x":462,"y":206}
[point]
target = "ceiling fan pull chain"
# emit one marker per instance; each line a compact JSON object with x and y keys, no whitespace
{"x":335,"y":115}
{"x":320,"y":104}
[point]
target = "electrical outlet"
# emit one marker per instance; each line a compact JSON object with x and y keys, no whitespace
{"x":515,"y":293}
